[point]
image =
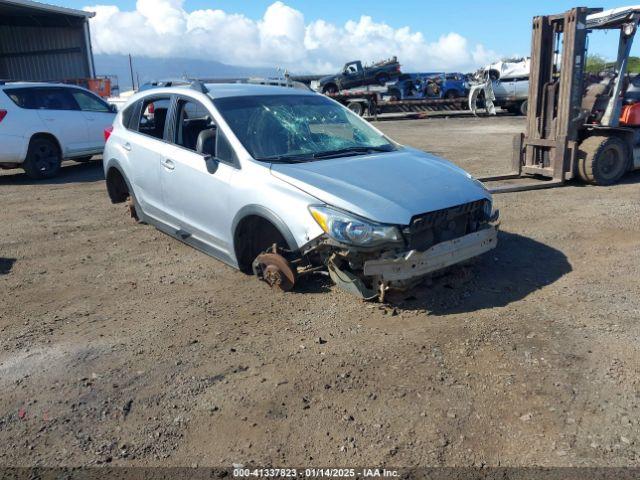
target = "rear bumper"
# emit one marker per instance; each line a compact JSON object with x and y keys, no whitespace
{"x":415,"y":264}
{"x":12,"y":148}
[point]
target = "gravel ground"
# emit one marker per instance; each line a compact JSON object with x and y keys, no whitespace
{"x":121,"y":345}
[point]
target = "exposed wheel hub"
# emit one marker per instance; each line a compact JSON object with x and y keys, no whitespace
{"x":275,"y":270}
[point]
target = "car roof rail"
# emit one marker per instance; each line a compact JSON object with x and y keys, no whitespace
{"x":199,"y":86}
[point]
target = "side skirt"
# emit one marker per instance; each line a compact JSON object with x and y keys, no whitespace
{"x":203,"y":247}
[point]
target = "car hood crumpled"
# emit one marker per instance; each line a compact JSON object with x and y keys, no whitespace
{"x":385,"y":187}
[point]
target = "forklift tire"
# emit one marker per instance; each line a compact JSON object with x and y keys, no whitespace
{"x":602,"y":160}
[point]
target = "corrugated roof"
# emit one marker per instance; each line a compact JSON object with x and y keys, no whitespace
{"x":45,"y":7}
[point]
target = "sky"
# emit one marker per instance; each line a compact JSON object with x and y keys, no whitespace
{"x":320,"y":35}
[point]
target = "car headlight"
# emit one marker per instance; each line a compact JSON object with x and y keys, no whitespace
{"x":488,"y":209}
{"x":352,"y":230}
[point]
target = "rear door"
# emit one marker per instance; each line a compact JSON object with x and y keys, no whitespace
{"x":97,"y":114}
{"x":145,"y":146}
{"x":61,"y":115}
{"x":196,"y":192}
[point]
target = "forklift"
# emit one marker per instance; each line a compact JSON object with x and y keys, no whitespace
{"x":575,"y":129}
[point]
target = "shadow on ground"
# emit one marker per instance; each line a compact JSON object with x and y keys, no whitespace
{"x":316,"y":282}
{"x":6,"y":264}
{"x":69,"y":173}
{"x":516,"y":268}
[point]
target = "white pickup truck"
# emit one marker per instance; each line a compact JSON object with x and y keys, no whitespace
{"x":512,"y":94}
{"x":510,"y":84}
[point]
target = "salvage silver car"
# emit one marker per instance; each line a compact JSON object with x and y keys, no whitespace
{"x":281,"y":182}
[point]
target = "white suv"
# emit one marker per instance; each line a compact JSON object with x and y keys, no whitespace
{"x":43,"y":123}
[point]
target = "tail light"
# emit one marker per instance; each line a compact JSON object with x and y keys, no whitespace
{"x":3,"y":113}
{"x":107,"y":132}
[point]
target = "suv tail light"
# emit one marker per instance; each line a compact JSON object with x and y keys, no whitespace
{"x":107,"y":132}
{"x":3,"y":113}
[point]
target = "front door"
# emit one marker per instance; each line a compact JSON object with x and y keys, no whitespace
{"x":196,"y":192}
{"x":97,"y":114}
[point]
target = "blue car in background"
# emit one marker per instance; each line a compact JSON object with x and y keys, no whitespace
{"x":412,"y":86}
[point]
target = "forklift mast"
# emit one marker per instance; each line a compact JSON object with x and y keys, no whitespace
{"x":554,"y":119}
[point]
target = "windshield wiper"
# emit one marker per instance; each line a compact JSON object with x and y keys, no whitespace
{"x":353,"y":151}
{"x":286,"y":159}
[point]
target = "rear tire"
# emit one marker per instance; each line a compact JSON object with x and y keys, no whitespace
{"x":603,"y":160}
{"x":524,"y":108}
{"x":356,"y":107}
{"x":43,"y":159}
{"x":330,"y":89}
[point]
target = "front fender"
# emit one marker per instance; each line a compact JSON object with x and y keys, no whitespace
{"x":260,"y":211}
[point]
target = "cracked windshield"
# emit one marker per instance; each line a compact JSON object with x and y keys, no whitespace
{"x":292,"y":128}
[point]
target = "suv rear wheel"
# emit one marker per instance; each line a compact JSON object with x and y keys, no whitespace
{"x":43,"y":159}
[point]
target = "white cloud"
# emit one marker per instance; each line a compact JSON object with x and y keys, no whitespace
{"x":163,"y":28}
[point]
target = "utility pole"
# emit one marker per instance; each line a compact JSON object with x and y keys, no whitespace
{"x":133,"y":83}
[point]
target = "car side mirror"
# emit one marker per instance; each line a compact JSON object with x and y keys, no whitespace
{"x":113,"y":108}
{"x":211,"y":162}
{"x":206,"y":146}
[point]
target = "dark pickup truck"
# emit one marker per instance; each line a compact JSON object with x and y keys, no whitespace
{"x":355,"y":75}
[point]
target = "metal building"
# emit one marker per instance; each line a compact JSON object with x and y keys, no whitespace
{"x":40,"y":42}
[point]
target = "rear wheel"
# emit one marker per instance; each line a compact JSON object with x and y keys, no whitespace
{"x":524,"y":108}
{"x":43,"y":159}
{"x":603,"y":159}
{"x":356,"y":107}
{"x":330,"y":89}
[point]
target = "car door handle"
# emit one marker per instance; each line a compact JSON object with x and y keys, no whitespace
{"x":127,"y":146}
{"x":168,"y":164}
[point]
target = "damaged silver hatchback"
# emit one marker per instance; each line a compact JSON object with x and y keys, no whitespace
{"x":282,"y":182}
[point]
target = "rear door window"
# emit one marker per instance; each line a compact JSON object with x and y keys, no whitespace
{"x":152,"y":116}
{"x":56,"y":99}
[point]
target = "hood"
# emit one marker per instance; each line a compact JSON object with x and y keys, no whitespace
{"x":386,"y":187}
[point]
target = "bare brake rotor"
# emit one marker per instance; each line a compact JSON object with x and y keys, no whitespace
{"x":274,"y":269}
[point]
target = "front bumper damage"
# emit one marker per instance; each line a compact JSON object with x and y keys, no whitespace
{"x":442,"y":255}
{"x":431,"y":243}
{"x":404,"y":270}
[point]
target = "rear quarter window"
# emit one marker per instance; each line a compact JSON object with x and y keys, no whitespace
{"x":128,"y":116}
{"x":23,"y":97}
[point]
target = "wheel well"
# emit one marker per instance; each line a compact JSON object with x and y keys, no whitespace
{"x":46,"y":136}
{"x":254,"y":235}
{"x":330,"y":86}
{"x":116,"y":186}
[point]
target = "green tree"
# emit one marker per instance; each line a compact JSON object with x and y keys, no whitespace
{"x":595,"y":63}
{"x":634,"y":65}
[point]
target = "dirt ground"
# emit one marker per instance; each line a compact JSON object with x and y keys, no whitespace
{"x":121,"y":345}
